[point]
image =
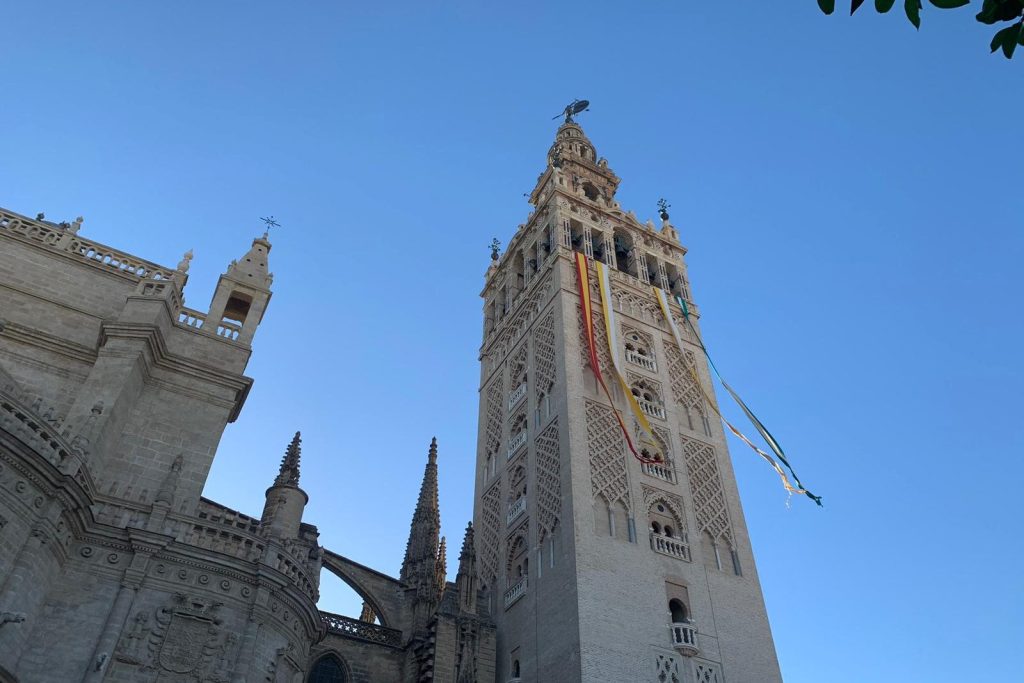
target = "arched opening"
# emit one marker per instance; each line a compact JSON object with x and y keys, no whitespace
{"x":624,"y":252}
{"x":328,"y":669}
{"x":680,"y":615}
{"x":591,"y":192}
{"x":338,"y":597}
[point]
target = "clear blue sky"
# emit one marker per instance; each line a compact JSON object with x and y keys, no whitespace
{"x":849,"y":190}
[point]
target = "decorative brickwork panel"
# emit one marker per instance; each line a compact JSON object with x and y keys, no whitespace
{"x":495,"y":415}
{"x":608,"y":476}
{"x":518,"y":367}
{"x":490,"y":526}
{"x":666,"y":669}
{"x":544,"y":354}
{"x":549,"y":481}
{"x":681,"y":370}
{"x":706,"y":489}
{"x":706,"y":672}
{"x":600,"y":335}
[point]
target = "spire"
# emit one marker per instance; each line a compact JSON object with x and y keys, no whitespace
{"x":252,"y":268}
{"x":465,"y":580}
{"x":289,"y":472}
{"x":425,"y":531}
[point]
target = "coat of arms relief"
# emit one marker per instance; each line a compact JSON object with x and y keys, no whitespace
{"x":181,"y":643}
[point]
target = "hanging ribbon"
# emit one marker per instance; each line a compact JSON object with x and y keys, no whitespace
{"x":611,"y":331}
{"x":588,"y":329}
{"x":761,"y":429}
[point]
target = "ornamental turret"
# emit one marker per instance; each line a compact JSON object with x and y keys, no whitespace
{"x":465,"y":580}
{"x":242,"y":294}
{"x":285,"y":501}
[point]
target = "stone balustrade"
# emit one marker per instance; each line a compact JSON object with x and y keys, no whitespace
{"x":652,"y":409}
{"x":673,"y":547}
{"x":515,"y":510}
{"x":517,"y":395}
{"x":660,"y":470}
{"x":64,"y":239}
{"x":684,"y":638}
{"x":515,"y":592}
{"x":642,"y":361}
{"x":517,"y":442}
{"x":191,"y":318}
{"x":361,"y":630}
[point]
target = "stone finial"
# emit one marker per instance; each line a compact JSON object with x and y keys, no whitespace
{"x":40,"y":216}
{"x":185,"y":262}
{"x":76,"y":225}
{"x":468,"y":549}
{"x":288,"y":474}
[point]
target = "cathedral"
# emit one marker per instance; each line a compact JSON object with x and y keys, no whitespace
{"x":608,"y":544}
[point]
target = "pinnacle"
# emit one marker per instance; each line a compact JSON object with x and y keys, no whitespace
{"x":288,"y":475}
{"x":467,"y":543}
{"x":432,"y":454}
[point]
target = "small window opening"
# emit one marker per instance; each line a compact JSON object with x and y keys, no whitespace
{"x":237,"y":308}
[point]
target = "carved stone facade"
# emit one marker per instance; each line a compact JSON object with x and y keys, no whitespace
{"x":113,"y":567}
{"x":599,"y":575}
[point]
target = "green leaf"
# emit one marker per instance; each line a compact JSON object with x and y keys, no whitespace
{"x":827,"y":6}
{"x":884,"y":6}
{"x":913,"y":10}
{"x":949,"y":4}
{"x":854,"y":5}
{"x":1006,"y":39}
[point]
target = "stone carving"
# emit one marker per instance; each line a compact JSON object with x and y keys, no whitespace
{"x":549,"y":481}
{"x":490,"y":524}
{"x":11,"y":618}
{"x":185,"y":638}
{"x":132,"y":648}
{"x":608,"y":476}
{"x":706,"y":490}
{"x":666,"y":669}
{"x":544,"y":355}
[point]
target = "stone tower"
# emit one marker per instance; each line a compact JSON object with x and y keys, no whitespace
{"x":600,"y":566}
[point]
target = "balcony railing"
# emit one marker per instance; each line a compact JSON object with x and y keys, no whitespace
{"x":515,"y":592}
{"x":642,"y":361}
{"x":684,"y":638}
{"x":517,"y":442}
{"x":517,"y":395}
{"x":516,"y":509}
{"x":360,"y":630}
{"x":652,"y":409}
{"x":673,"y":547}
{"x":660,"y":470}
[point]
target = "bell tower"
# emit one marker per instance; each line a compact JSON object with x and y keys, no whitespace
{"x":602,"y":565}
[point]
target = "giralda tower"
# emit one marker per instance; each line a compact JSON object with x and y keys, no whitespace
{"x":601,"y":566}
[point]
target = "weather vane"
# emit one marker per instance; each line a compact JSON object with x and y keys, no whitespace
{"x":573,"y":108}
{"x":271,"y":223}
{"x":663,"y":208}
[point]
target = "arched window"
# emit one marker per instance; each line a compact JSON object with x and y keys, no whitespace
{"x":328,"y":669}
{"x":515,"y":669}
{"x":680,"y":615}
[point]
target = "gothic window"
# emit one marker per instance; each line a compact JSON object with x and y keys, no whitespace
{"x":624,"y":252}
{"x":328,"y":669}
